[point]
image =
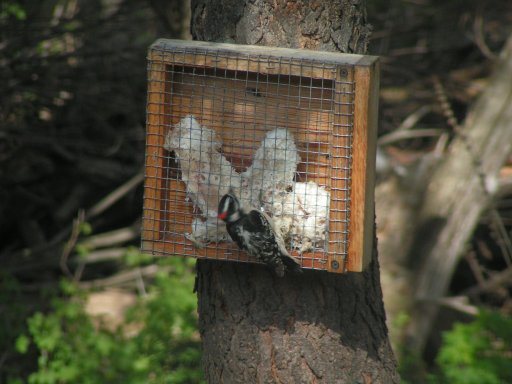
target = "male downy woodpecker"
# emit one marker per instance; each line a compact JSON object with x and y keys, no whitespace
{"x":255,"y":233}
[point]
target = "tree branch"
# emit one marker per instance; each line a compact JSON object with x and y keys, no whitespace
{"x":459,"y":191}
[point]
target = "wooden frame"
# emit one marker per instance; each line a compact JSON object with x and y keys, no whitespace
{"x":348,"y":82}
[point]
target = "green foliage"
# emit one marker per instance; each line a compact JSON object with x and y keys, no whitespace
{"x":85,"y":228}
{"x":165,"y":349}
{"x":15,"y":306}
{"x":133,"y":257}
{"x":12,"y":9}
{"x":477,"y":352}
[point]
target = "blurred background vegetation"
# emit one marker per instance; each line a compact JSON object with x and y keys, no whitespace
{"x":80,"y":304}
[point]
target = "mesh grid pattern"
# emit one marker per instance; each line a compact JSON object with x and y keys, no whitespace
{"x":275,"y":130}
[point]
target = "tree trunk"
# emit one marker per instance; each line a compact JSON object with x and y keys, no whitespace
{"x":316,"y":327}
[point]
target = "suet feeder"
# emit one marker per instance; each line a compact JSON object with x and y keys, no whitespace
{"x":291,"y":132}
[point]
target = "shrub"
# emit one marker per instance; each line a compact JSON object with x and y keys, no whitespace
{"x":165,"y":349}
{"x":478,"y":352}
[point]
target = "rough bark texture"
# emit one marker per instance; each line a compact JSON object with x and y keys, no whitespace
{"x":321,"y":24}
{"x":312,"y":328}
{"x":315,"y":328}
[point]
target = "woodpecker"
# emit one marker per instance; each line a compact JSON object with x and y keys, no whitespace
{"x":254,"y":233}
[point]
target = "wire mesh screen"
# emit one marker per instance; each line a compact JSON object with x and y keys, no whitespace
{"x":275,"y":130}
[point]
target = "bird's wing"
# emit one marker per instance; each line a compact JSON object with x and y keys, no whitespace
{"x":236,"y":235}
{"x":268,"y":223}
{"x":277,"y":234}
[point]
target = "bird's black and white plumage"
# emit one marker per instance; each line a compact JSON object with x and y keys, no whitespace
{"x":254,"y":233}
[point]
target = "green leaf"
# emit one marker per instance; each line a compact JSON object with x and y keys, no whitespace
{"x":22,"y":344}
{"x":133,"y":257}
{"x":12,"y":9}
{"x":142,"y":364}
{"x":85,"y":228}
{"x":82,"y":250}
{"x":45,"y":330}
{"x":68,"y":287}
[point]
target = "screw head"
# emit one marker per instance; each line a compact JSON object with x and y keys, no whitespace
{"x":335,"y":264}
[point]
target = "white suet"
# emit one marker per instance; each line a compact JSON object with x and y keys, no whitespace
{"x":274,"y":164}
{"x":299,"y":211}
{"x":206,"y":231}
{"x":300,"y":214}
{"x":207,"y":174}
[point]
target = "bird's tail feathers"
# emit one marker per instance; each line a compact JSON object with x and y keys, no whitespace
{"x":292,"y":264}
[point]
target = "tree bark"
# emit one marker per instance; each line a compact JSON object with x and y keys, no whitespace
{"x":322,"y":25}
{"x":316,"y":327}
